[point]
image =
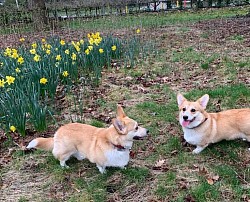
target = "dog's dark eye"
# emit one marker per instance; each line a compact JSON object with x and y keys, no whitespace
{"x":184,"y":109}
{"x":193,"y":110}
{"x":136,"y":128}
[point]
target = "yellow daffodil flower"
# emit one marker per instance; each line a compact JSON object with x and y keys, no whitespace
{"x":10,"y":79}
{"x":43,"y":80}
{"x":113,"y":48}
{"x":34,"y":45}
{"x":101,"y":50}
{"x":2,"y":82}
{"x":58,"y":57}
{"x":90,"y":48}
{"x":33,"y":51}
{"x":14,"y":55}
{"x":18,"y":70}
{"x":78,"y":49}
{"x":138,"y":31}
{"x":7,"y":52}
{"x":12,"y":129}
{"x":65,"y":73}
{"x":48,"y":51}
{"x":22,"y":39}
{"x":66,"y":51}
{"x":73,"y":56}
{"x":43,"y":40}
{"x":62,"y":42}
{"x":37,"y":58}
{"x":48,"y":46}
{"x":81,"y":41}
{"x":20,"y":60}
{"x":87,"y":51}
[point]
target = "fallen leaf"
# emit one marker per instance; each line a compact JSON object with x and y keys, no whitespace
{"x":210,"y":181}
{"x":159,"y":163}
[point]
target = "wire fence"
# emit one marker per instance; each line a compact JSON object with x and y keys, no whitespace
{"x":23,"y":19}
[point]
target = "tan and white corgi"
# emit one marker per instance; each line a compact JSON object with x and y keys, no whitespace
{"x":103,"y":146}
{"x":201,"y":128}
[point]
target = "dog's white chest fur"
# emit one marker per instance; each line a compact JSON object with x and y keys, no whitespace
{"x":116,"y":158}
{"x":192,"y":137}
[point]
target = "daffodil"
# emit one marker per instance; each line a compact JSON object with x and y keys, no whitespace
{"x":48,"y":46}
{"x":34,"y":45}
{"x":48,"y":51}
{"x":58,"y":57}
{"x":81,"y":41}
{"x":90,"y":48}
{"x":101,"y":50}
{"x":138,"y":31}
{"x":113,"y":48}
{"x":37,"y":58}
{"x":22,"y":39}
{"x":1,"y":64}
{"x":18,"y":70}
{"x":2,"y":82}
{"x":33,"y":51}
{"x":73,"y":56}
{"x":43,"y":40}
{"x":62,"y":42}
{"x":91,"y":41}
{"x":66,"y":51}
{"x":7,"y":52}
{"x":20,"y":60}
{"x":87,"y":51}
{"x":12,"y":129}
{"x":14,"y":54}
{"x":10,"y":79}
{"x":65,"y":73}
{"x":78,"y":49}
{"x":43,"y":80}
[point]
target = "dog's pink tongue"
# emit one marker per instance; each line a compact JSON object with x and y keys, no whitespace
{"x":185,"y":123}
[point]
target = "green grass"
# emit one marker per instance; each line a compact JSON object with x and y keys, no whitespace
{"x":153,"y":20}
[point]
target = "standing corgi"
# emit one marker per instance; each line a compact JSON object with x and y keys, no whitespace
{"x":103,"y":146}
{"x":201,"y":128}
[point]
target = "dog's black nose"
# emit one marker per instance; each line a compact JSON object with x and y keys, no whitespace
{"x":185,"y":118}
{"x":147,"y":131}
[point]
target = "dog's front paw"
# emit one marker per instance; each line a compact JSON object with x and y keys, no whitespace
{"x":197,"y":150}
{"x":101,"y":169}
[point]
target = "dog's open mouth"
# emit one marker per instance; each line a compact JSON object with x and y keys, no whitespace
{"x":138,"y":138}
{"x":185,"y":123}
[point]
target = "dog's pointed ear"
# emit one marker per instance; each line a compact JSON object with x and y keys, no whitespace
{"x":120,"y":112}
{"x":180,"y":99}
{"x":203,"y":101}
{"x":119,"y":126}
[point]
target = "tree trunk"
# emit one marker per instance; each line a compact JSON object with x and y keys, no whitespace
{"x":39,"y":12}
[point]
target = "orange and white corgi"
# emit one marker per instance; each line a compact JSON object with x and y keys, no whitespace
{"x":103,"y":146}
{"x":201,"y":128}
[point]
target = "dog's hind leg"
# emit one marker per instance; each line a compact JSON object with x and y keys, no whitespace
{"x":62,"y":157}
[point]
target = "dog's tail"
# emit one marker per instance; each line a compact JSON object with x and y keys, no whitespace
{"x":42,"y":143}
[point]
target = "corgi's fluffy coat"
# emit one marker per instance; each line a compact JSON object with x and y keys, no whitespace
{"x":201,"y":128}
{"x":103,"y":146}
